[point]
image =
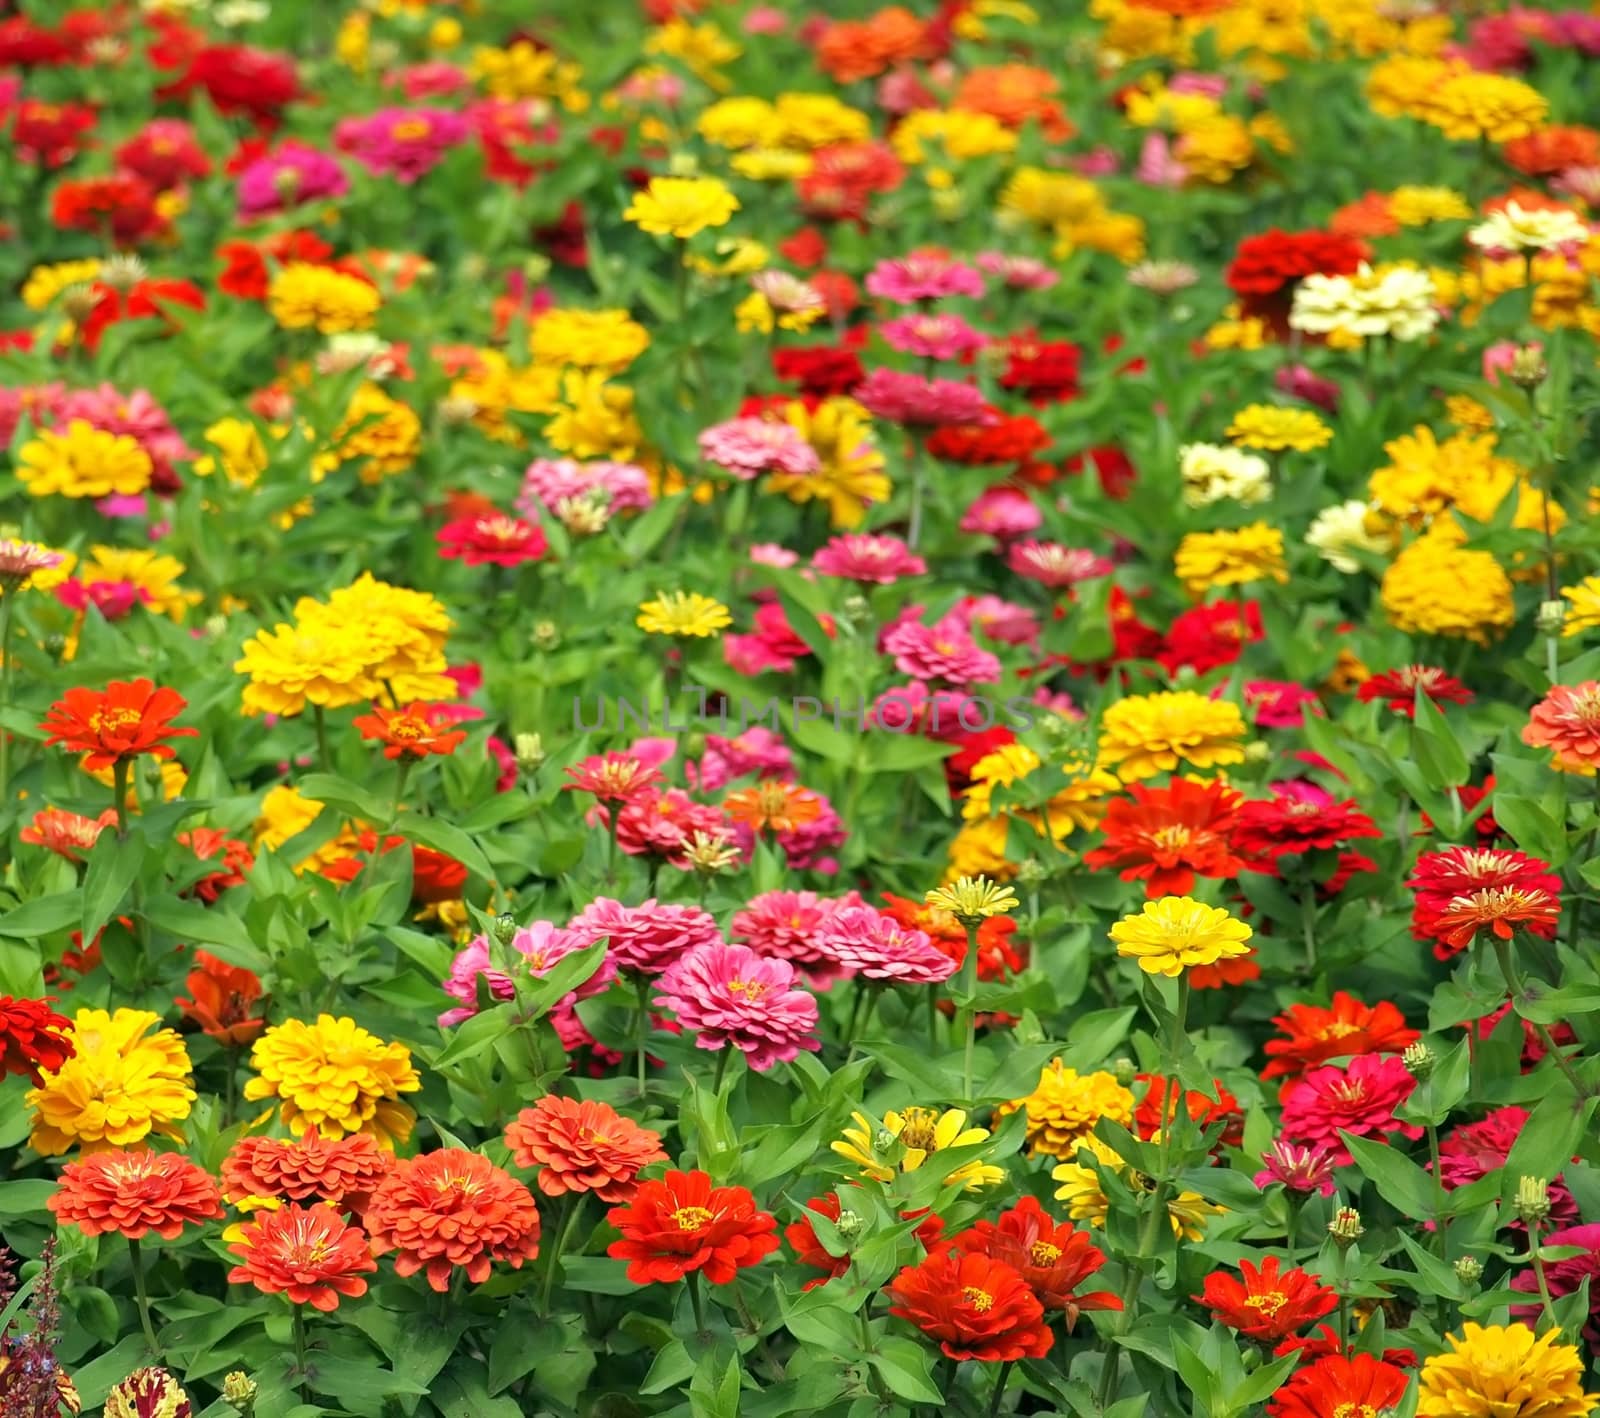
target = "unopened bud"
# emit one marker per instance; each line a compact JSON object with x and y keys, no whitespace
{"x":1257,"y":752}
{"x":1419,"y":1060}
{"x":286,"y":183}
{"x":884,"y":1140}
{"x":1031,"y":872}
{"x":1533,"y":1200}
{"x":529,"y":749}
{"x":1552,"y":616}
{"x":1528,"y":369}
{"x":849,"y":1224}
{"x":536,"y":267}
{"x":122,"y":272}
{"x":505,"y":928}
{"x":1469,"y":1270}
{"x":546,"y":635}
{"x":1346,"y":1228}
{"x":77,"y":301}
{"x":239,"y":1392}
{"x":856,"y":610}
{"x":1124,"y":1071}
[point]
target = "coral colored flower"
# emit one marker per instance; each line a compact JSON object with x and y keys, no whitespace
{"x":1176,"y":933}
{"x":340,"y":1171}
{"x":1336,"y":1386}
{"x":1266,"y":1302}
{"x":682,"y":1224}
{"x":214,"y":844}
{"x":646,"y":938}
{"x":222,"y":998}
{"x":1166,"y":837}
{"x":1477,"y":888}
{"x":1205,"y":1110}
{"x":134,"y":1193}
{"x":308,"y":1253}
{"x":411,"y":733}
{"x":117,"y":723}
{"x":452,"y":1208}
{"x":33,"y":1038}
{"x":1503,"y":1371}
{"x":975,"y":1306}
{"x":1346,"y":1028}
{"x":1051,"y":1256}
{"x":728,"y":995}
{"x":1065,"y":1107}
{"x":773,"y":806}
{"x":748,"y":447}
{"x":336,"y":1077}
{"x":1398,"y":688}
{"x":492,"y":539}
{"x":1567,"y":722}
{"x":612,"y":777}
{"x":1359,"y":1098}
{"x":582,"y":1147}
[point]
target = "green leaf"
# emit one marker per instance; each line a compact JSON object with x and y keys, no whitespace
{"x":1400,"y":1182}
{"x":1261,"y":1385}
{"x":1548,"y":1139}
{"x":343,"y":796}
{"x":114,"y":864}
{"x":1434,"y":746}
{"x":1531,"y":827}
{"x":43,"y":916}
{"x":907,"y":1368}
{"x":672,"y":1366}
{"x":25,"y":1198}
{"x":714,"y":1390}
{"x":444,"y":837}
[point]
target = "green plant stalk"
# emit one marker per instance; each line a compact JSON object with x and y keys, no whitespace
{"x":1545,"y":1301}
{"x":696,"y":1303}
{"x":1441,"y":1221}
{"x":142,"y":1296}
{"x":569,"y":1219}
{"x":642,"y":1030}
{"x":1508,"y":968}
{"x":7,"y":600}
{"x":324,"y":757}
{"x":999,"y":1387}
{"x":969,"y":1008}
{"x":119,"y":793}
{"x":300,"y":1353}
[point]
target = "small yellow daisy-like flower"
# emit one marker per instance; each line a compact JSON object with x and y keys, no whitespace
{"x":303,"y":296}
{"x":1065,"y":1106}
{"x":1146,"y":734}
{"x":1468,"y":414}
{"x":908,"y":1138}
{"x":1237,"y":331}
{"x":45,"y":283}
{"x":683,"y":613}
{"x":83,"y":461}
{"x":121,"y":1084}
{"x":773,"y":164}
{"x":1584,"y":613}
{"x":681,"y":206}
{"x":241,"y":452}
{"x":1084,"y":1192}
{"x":1175,"y":933}
{"x":1273,"y":428}
{"x":336,"y":1077}
{"x":972,"y":898}
{"x":587,"y":339}
{"x":1232,"y":557}
{"x":1504,"y":1371}
{"x":595,"y":418}
{"x":850,"y":468}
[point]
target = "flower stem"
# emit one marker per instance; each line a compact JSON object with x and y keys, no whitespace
{"x":1508,"y":968}
{"x":696,"y":1302}
{"x":569,"y":1219}
{"x":969,"y":1008}
{"x":999,"y":1387}
{"x":1537,"y":1263}
{"x":300,"y":1353}
{"x":119,"y":793}
{"x":642,"y":1030}
{"x":142,"y":1295}
{"x":7,"y":600}
{"x":1441,"y":1222}
{"x":324,"y":758}
{"x":723,"y":1055}
{"x":918,"y":473}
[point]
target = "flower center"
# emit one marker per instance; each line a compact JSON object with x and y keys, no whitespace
{"x":748,"y":989}
{"x":1268,"y":1303}
{"x":408,"y":129}
{"x":1355,"y":1410}
{"x":917,"y":1129}
{"x":1338,"y":1029}
{"x":692,"y":1218}
{"x":114,"y":721}
{"x":1043,"y":1253}
{"x":980,"y":1300}
{"x":1171,"y":837}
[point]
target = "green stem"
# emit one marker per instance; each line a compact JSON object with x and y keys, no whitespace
{"x":1308,"y":925}
{"x":1502,"y":950}
{"x":569,"y":1219}
{"x":918,"y":474}
{"x":969,"y":1009}
{"x":7,"y":600}
{"x":300,"y":1353}
{"x":642,"y":1030}
{"x":142,"y":1297}
{"x":999,"y":1387}
{"x":324,"y":758}
{"x":723,"y":1055}
{"x":119,"y":793}
{"x":1441,"y":1221}
{"x":933,"y":1018}
{"x":1539,"y":1276}
{"x":696,"y":1303}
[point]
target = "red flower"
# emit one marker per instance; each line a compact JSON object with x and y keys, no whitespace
{"x":1006,"y":441}
{"x":33,"y":1037}
{"x":1336,"y":1387}
{"x":246,"y":273}
{"x":1500,"y":909}
{"x":1398,"y":688}
{"x":1267,"y":1303}
{"x":146,"y":301}
{"x":309,"y":1253}
{"x":820,"y":369}
{"x":122,"y":205}
{"x":1240,"y":970}
{"x":1484,"y":826}
{"x":67,"y":834}
{"x":411,"y":733}
{"x":1207,"y":637}
{"x":117,"y":723}
{"x":222,"y":998}
{"x":49,"y":133}
{"x":1045,"y":371}
{"x":810,"y":1251}
{"x":1165,"y":837}
{"x":238,"y":79}
{"x":1267,"y":267}
{"x":1323,"y":1341}
{"x":213,"y":844}
{"x":682,"y":1224}
{"x":27,"y":45}
{"x":134,"y":1193}
{"x":1286,"y":826}
{"x":341,"y":1171}
{"x":434,"y":876}
{"x":976,"y":1307}
{"x":582,"y":1147}
{"x":494,"y":539}
{"x":164,"y":152}
{"x":613,"y":778}
{"x":1343,"y":1029}
{"x":1204,"y":1110}
{"x":1050,"y":1256}
{"x":1460,"y":890}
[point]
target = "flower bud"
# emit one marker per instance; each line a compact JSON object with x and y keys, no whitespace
{"x":1552,"y":616}
{"x":1124,"y":1071}
{"x":1031,"y":872}
{"x":884,"y":1141}
{"x":77,"y":301}
{"x":1346,"y":1228}
{"x":1469,"y":1270}
{"x":545,"y":635}
{"x":1533,"y":1200}
{"x":505,"y":928}
{"x":239,"y":1392}
{"x":1257,"y":752}
{"x":529,"y":749}
{"x":856,"y":610}
{"x":1419,"y":1060}
{"x":1528,"y":369}
{"x":849,"y":1224}
{"x":536,"y":267}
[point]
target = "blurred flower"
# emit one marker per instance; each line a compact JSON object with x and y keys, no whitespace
{"x":1065,"y":1106}
{"x":681,"y":206}
{"x":493,"y":539}
{"x":1271,"y":427}
{"x":222,"y":998}
{"x":83,"y":461}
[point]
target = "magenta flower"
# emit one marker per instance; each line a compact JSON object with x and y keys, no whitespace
{"x":945,"y":651}
{"x":748,"y":447}
{"x":1300,"y":1169}
{"x":1475,"y":1149}
{"x":1359,"y":1098}
{"x":548,"y":481}
{"x":910,"y":399}
{"x":492,"y":539}
{"x":646,"y":938}
{"x":1002,"y":512}
{"x":932,"y":336}
{"x":1053,"y":565}
{"x":869,"y":557}
{"x":542,"y":945}
{"x":1565,"y":1276}
{"x":864,"y":941}
{"x":728,"y":995}
{"x":923,"y":275}
{"x":1158,"y":167}
{"x":1280,"y":704}
{"x":757,"y":750}
{"x":403,"y":143}
{"x":785,"y":925}
{"x":1298,"y":382}
{"x":284,"y":179}
{"x":1000,"y":620}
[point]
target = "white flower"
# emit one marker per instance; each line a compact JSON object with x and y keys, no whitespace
{"x":1215,"y":474}
{"x":1392,"y":300}
{"x":1337,"y":531}
{"x":1516,"y":228}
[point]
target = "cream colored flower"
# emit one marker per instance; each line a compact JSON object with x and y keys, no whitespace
{"x":1213,"y":473}
{"x":1388,"y":300}
{"x":1517,"y":228}
{"x":1337,"y":531}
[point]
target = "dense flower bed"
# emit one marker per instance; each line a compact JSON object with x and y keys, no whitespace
{"x":727,"y":708}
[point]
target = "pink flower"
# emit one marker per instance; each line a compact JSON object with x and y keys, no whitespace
{"x":1300,"y":1169}
{"x":868,"y":557}
{"x":493,"y":539}
{"x":37,"y":401}
{"x":757,"y":750}
{"x":1498,"y":357}
{"x":541,"y":945}
{"x":1157,"y":166}
{"x":805,"y":847}
{"x":864,"y":941}
{"x":1280,"y":704}
{"x":727,"y":994}
{"x":747,"y":447}
{"x":1099,"y":161}
{"x":1000,"y":620}
{"x":773,"y":646}
{"x":403,"y":143}
{"x":548,"y":481}
{"x":1359,"y":1098}
{"x":646,"y":938}
{"x":1017,"y":272}
{"x":1053,"y":565}
{"x":785,"y":925}
{"x":944,"y":651}
{"x":916,"y":709}
{"x":908,"y":398}
{"x":1003,"y":512}
{"x":771,"y":554}
{"x":932,"y":336}
{"x":1473,"y":1150}
{"x":923,"y":275}
{"x":434,"y":78}
{"x":1299,"y":382}
{"x":1565,"y":1276}
{"x":292,"y":175}
{"x":663,"y":823}
{"x":1190,"y":81}
{"x":764,"y":19}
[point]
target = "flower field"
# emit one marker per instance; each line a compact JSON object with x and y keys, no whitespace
{"x":713,"y":708}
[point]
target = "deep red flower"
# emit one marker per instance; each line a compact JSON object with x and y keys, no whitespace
{"x":1008,"y":440}
{"x":565,"y":240}
{"x":1266,"y":1303}
{"x":1343,"y":1029}
{"x":809,"y":1250}
{"x":222,"y":997}
{"x":146,"y":301}
{"x":238,"y":79}
{"x":1165,"y":837}
{"x":1484,"y":826}
{"x":1339,"y":1387}
{"x":25,"y":45}
{"x":117,"y":723}
{"x":1398,"y":688}
{"x":49,"y":134}
{"x":1044,"y":371}
{"x":1461,"y":890}
{"x":1204,"y":1109}
{"x":976,"y":1307}
{"x":494,"y":539}
{"x":120,"y":206}
{"x":33,"y":1037}
{"x":165,"y":153}
{"x":1051,"y":1256}
{"x":682,"y":1223}
{"x":1207,"y":637}
{"x":1267,"y":267}
{"x":1284,"y":826}
{"x":822,"y":370}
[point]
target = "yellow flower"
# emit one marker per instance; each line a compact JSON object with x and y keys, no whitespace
{"x":494,"y":388}
{"x":773,"y":164}
{"x":1345,"y":527}
{"x":524,"y":70}
{"x":1419,"y":206}
{"x":739,"y":123}
{"x":815,"y":121}
{"x":587,"y":339}
{"x":849,"y":474}
{"x":908,"y":1138}
{"x":284,"y":814}
{"x":1467,"y":414}
{"x":22,"y":553}
{"x":241,"y":452}
{"x":1231,"y":557}
{"x":336,"y":1077}
{"x":385,"y":434}
{"x":85,"y":461}
{"x":732,"y":256}
{"x":154,"y":574}
{"x":303,"y":296}
{"x":702,"y":49}
{"x":1402,"y":83}
{"x":1177,"y":932}
{"x":979,"y":848}
{"x":45,"y":283}
{"x":1051,"y":199}
{"x":1065,"y":1106}
{"x":1146,"y":734}
{"x":1273,"y":428}
{"x":1083,"y":1189}
{"x":1216,"y":149}
{"x":407,"y":630}
{"x":959,"y":133}
{"x":681,"y":206}
{"x":1470,"y":105}
{"x":971,"y":899}
{"x":1503,"y":1371}
{"x":1237,"y":331}
{"x":683,"y":613}
{"x":595,"y":419}
{"x":1435,"y":587}
{"x":117,"y":1088}
{"x":316,"y":662}
{"x":247,"y":1206}
{"x":1585,"y":612}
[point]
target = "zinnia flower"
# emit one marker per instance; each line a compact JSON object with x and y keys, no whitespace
{"x":729,"y":995}
{"x":411,"y":733}
{"x":336,"y":1077}
{"x":1052,"y":1257}
{"x":1146,"y":734}
{"x":1503,"y":1371}
{"x":1360,"y":1098}
{"x":1266,"y":1302}
{"x":1176,"y":933}
{"x":308,"y":1253}
{"x":340,"y":1171}
{"x":681,"y":206}
{"x":117,"y":723}
{"x":975,"y":1306}
{"x":1478,"y":887}
{"x":582,"y":1147}
{"x":33,"y":1038}
{"x":1340,"y":1386}
{"x":1567,"y":722}
{"x":683,"y":613}
{"x":910,"y":399}
{"x":1398,"y":688}
{"x":222,"y":998}
{"x":861,"y":940}
{"x":1564,"y":1277}
{"x":748,"y":447}
{"x":1300,"y":1169}
{"x":1237,"y":556}
{"x":682,"y":1224}
{"x":868,"y":557}
{"x":492,"y":539}
{"x":908,"y":1138}
{"x":1065,"y":1106}
{"x":145,"y":1393}
{"x":1343,"y":1029}
{"x":133,"y":1193}
{"x":1165,"y":837}
{"x":646,"y":938}
{"x":1276,"y":429}
{"x":452,"y":1208}
{"x":612,"y":777}
{"x":1287,"y":825}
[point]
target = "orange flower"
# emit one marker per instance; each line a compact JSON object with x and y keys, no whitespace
{"x":774,"y":805}
{"x":1367,"y":216}
{"x":855,"y":49}
{"x":452,"y":1208}
{"x":117,"y":723}
{"x":1345,"y":1029}
{"x":1012,"y":94}
{"x":582,"y":1147}
{"x":133,"y":1193}
{"x":1241,"y":970}
{"x":1567,"y":722}
{"x":223,"y":996}
{"x":67,"y":834}
{"x":208,"y":843}
{"x":410,"y":733}
{"x":309,"y":1254}
{"x":342,"y":1171}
